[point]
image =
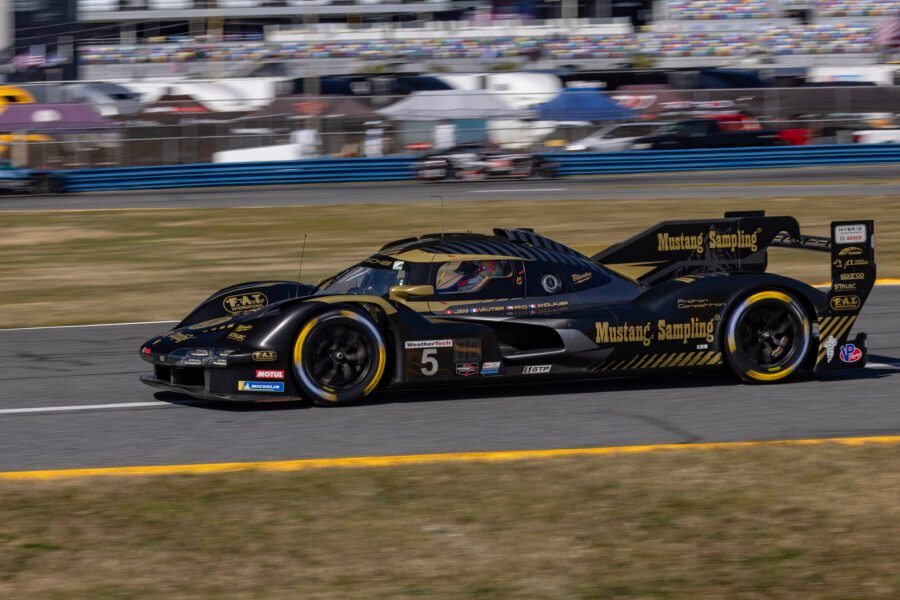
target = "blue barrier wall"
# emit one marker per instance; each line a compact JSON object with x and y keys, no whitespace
{"x":400,"y":168}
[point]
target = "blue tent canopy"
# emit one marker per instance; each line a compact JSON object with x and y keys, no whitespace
{"x":583,"y":104}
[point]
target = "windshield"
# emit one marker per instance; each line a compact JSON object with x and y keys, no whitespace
{"x":366,"y":278}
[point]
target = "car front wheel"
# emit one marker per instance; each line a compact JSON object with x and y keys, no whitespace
{"x":339,"y":357}
{"x":768,"y":337}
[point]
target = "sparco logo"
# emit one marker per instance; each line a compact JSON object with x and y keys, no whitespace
{"x":240,"y":303}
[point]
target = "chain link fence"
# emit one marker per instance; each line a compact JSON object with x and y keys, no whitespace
{"x":183,"y":130}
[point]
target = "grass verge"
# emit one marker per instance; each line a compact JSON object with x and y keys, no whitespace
{"x":785,"y":522}
{"x":122,"y":265}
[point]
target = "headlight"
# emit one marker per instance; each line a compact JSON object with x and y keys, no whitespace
{"x":200,"y":357}
{"x":641,"y":146}
{"x":576,"y":147}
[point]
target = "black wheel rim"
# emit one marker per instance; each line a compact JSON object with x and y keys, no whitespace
{"x":768,"y":335}
{"x":339,"y":356}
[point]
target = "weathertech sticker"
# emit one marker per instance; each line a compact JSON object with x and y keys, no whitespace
{"x":850,"y":234}
{"x":261,"y":386}
{"x":419,"y":344}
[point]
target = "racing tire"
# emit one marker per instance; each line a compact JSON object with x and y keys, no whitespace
{"x":767,"y":337}
{"x":543,"y":170}
{"x":339,"y":357}
{"x":40,"y":184}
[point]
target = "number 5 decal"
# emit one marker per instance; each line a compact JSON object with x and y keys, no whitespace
{"x":429,"y":362}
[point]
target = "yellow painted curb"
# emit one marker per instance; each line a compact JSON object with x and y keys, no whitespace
{"x":389,"y":461}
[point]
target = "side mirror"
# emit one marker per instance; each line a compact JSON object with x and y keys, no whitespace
{"x":404,"y":292}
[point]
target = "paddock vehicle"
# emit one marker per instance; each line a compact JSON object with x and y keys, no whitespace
{"x":465,"y":308}
{"x":719,"y":131}
{"x":475,"y":162}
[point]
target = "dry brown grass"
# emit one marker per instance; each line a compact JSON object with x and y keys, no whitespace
{"x":776,"y":522}
{"x":82,"y":267}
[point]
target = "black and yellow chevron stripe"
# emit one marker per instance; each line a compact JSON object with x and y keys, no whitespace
{"x":832,"y":326}
{"x":660,"y":361}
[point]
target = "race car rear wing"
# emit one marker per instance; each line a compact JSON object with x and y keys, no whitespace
{"x":738,"y":243}
{"x":671,"y":249}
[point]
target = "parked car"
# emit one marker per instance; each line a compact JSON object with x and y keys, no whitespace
{"x":719,"y":131}
{"x":482,"y":161}
{"x":615,"y":138}
{"x":877,"y":136}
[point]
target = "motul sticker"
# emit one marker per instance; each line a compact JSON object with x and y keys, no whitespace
{"x":270,"y":374}
{"x":850,"y":234}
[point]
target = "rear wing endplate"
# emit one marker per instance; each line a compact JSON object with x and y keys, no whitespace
{"x":853,"y":276}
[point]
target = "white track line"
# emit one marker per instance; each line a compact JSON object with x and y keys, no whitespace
{"x":875,"y":365}
{"x":85,"y":326}
{"x":532,"y":190}
{"x":39,"y":409}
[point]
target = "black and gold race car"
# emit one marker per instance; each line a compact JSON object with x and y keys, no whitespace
{"x":470,"y":308}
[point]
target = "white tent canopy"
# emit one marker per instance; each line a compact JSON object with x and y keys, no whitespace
{"x":440,"y":105}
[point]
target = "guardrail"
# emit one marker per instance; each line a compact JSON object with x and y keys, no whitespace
{"x":400,"y":168}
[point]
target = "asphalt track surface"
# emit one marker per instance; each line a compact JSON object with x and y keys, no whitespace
{"x":857,"y":181}
{"x":70,"y":398}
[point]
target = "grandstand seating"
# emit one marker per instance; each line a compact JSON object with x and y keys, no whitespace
{"x":716,"y":9}
{"x":857,"y":8}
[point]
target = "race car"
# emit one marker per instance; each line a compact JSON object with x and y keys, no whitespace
{"x":31,"y":181}
{"x":475,"y":162}
{"x":466,"y":308}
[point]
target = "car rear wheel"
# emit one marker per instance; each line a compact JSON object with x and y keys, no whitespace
{"x":339,"y":357}
{"x":768,"y":337}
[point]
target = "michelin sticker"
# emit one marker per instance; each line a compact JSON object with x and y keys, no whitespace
{"x":261,"y":386}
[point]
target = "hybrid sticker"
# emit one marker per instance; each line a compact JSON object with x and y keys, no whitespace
{"x":265,"y":356}
{"x":261,"y":386}
{"x":850,"y":234}
{"x":467,"y":369}
{"x":420,"y":344}
{"x":536,"y":369}
{"x":829,"y":344}
{"x":490,"y":368}
{"x":269,"y":374}
{"x":850,"y":353}
{"x":241,"y":303}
